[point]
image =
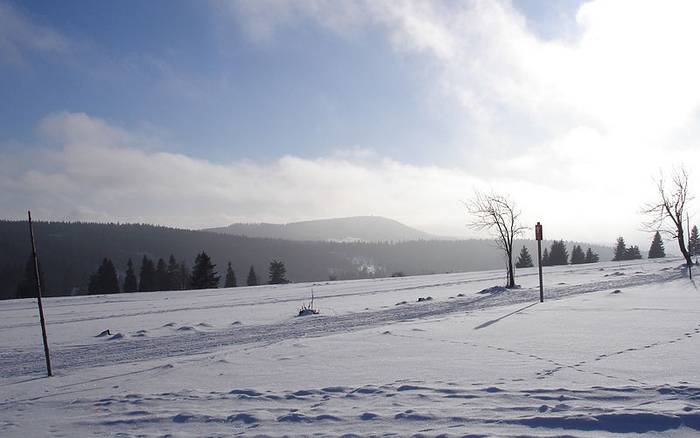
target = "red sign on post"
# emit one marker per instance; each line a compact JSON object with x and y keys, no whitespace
{"x":538,"y":231}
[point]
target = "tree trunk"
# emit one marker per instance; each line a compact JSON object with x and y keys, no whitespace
{"x":511,"y":274}
{"x":681,"y":245}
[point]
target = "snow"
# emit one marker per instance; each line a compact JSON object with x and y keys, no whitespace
{"x":611,"y":350}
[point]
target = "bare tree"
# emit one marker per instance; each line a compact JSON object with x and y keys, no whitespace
{"x":667,"y":213}
{"x":499,"y":215}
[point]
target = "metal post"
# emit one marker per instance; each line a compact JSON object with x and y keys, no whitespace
{"x":690,"y":265}
{"x":538,"y":237}
{"x":38,"y":290}
{"x":539,"y":265}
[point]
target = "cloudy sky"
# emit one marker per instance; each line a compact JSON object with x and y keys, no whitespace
{"x":197,"y":114}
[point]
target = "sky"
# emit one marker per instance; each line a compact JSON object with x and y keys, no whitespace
{"x":199,"y":114}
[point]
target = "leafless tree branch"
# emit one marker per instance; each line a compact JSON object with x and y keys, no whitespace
{"x":667,"y":212}
{"x":499,"y":215}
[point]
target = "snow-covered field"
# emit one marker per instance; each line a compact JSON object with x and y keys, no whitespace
{"x":613,"y":349}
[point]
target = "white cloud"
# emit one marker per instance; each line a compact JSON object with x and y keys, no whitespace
{"x":19,"y":34}
{"x":572,"y":129}
{"x":598,"y":113}
{"x":631,"y":75}
{"x":99,"y":172}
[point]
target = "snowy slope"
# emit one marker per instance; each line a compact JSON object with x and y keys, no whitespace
{"x":613,"y":349}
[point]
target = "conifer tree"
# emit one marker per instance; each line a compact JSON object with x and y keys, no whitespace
{"x":104,"y":281}
{"x":694,"y":242}
{"x":524,"y":259}
{"x":632,"y":253}
{"x":184,"y":276}
{"x":620,"y":250}
{"x":558,"y":255}
{"x":277,"y":273}
{"x":545,"y":257}
{"x":591,"y":257}
{"x":27,"y":286}
{"x":656,"y":250}
{"x":577,"y":255}
{"x":203,"y":274}
{"x":173,"y":274}
{"x":161,"y":275}
{"x":147,"y":276}
{"x":230,"y":277}
{"x":252,"y":279}
{"x":130,"y":282}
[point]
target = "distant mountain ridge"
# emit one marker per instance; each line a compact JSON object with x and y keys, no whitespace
{"x":70,"y":252}
{"x":347,"y":229}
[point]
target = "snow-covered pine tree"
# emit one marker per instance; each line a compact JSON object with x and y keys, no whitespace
{"x":577,"y":255}
{"x":230,"y":277}
{"x":524,"y":259}
{"x":656,"y":250}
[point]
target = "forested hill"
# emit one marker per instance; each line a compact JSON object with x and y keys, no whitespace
{"x":70,"y":252}
{"x":358,"y":228}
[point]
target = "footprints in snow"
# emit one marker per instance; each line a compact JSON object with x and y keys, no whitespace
{"x":444,"y":403}
{"x":109,"y":336}
{"x":578,"y":366}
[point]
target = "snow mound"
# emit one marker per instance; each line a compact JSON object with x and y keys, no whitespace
{"x":493,"y":290}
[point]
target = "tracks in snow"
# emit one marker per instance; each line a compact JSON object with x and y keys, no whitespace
{"x":22,"y":362}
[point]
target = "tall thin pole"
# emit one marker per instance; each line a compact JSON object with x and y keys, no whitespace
{"x":539,"y":266}
{"x":538,"y":237}
{"x":690,"y":265}
{"x":37,"y":277}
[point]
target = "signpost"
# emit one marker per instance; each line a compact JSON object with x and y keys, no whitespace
{"x":538,"y":237}
{"x":37,"y":276}
{"x":690,"y":265}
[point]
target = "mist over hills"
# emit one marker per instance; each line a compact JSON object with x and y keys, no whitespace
{"x":347,"y":229}
{"x":70,"y":252}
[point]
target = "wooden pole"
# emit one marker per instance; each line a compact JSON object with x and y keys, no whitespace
{"x":37,"y":277}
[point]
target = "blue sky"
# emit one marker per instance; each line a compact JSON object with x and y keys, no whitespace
{"x":282,"y":111}
{"x":197,"y":78}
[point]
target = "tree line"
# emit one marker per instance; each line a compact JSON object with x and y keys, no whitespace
{"x":557,"y":254}
{"x":71,"y":252}
{"x":158,"y":276}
